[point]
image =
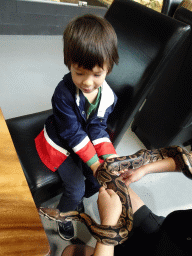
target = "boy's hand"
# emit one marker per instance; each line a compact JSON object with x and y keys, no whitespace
{"x":113,"y":156}
{"x":94,"y":167}
{"x":110,"y":206}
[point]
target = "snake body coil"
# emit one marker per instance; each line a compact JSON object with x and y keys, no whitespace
{"x":108,"y":176}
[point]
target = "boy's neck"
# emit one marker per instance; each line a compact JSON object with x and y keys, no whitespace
{"x":91,"y":96}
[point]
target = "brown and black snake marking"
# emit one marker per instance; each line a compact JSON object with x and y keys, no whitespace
{"x":108,"y":176}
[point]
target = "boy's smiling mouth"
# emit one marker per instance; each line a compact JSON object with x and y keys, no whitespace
{"x":86,"y":90}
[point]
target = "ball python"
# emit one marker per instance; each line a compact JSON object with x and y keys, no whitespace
{"x":108,"y":175}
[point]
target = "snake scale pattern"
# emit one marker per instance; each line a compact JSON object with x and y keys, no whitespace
{"x":108,"y":176}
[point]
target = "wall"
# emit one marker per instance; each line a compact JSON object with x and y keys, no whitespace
{"x":31,"y":67}
{"x":20,"y":17}
{"x":31,"y":51}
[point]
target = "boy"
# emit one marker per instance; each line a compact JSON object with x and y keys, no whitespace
{"x":74,"y":138}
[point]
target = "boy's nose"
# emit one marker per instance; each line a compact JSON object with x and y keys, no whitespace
{"x":88,"y":82}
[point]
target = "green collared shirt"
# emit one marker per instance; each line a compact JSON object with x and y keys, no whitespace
{"x":92,"y":107}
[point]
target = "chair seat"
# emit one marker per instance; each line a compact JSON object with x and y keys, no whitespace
{"x":43,"y":183}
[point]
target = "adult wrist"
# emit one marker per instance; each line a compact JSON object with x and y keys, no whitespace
{"x":109,"y":221}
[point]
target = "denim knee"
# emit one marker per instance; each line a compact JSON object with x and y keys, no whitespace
{"x":75,"y":191}
{"x":71,"y":198}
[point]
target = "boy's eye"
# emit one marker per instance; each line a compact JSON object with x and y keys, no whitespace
{"x":97,"y":75}
{"x":79,"y":74}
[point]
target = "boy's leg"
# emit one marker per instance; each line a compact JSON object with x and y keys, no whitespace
{"x":91,"y":184}
{"x":73,"y":186}
{"x":73,"y":192}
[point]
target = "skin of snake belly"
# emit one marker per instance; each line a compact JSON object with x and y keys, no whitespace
{"x":108,"y":176}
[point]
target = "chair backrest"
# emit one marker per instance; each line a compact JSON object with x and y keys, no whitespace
{"x":169,"y":7}
{"x":166,"y":118}
{"x":150,"y":44}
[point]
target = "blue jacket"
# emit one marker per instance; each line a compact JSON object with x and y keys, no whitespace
{"x":69,"y":129}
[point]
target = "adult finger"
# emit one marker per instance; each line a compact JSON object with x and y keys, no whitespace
{"x":110,"y":192}
{"x":101,"y":189}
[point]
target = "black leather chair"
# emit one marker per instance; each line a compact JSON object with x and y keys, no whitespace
{"x":168,"y":7}
{"x":149,"y":44}
{"x":166,"y":118}
{"x":44,"y":184}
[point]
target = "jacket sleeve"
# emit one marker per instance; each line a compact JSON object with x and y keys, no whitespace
{"x":99,"y":136}
{"x":70,"y":129}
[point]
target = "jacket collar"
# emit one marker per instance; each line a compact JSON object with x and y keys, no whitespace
{"x":107,"y":99}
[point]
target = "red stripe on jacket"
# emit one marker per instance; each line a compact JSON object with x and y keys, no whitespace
{"x":51,"y":157}
{"x":87,"y":152}
{"x":105,"y":148}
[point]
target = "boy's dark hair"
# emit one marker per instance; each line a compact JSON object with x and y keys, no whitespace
{"x":89,"y":41}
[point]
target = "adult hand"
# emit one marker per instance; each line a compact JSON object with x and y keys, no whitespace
{"x":165,"y":165}
{"x":130,"y":176}
{"x":109,"y":205}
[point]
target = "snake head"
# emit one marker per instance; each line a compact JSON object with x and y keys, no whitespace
{"x":52,"y":214}
{"x":118,"y":165}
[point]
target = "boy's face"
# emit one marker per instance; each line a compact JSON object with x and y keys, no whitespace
{"x":88,"y":81}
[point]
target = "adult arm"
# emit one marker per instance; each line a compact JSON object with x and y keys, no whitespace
{"x":169,"y":164}
{"x":110,"y":208}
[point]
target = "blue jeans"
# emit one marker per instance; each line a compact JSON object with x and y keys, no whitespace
{"x":73,"y":173}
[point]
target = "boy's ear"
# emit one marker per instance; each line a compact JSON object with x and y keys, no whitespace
{"x":108,"y":72}
{"x":108,"y":69}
